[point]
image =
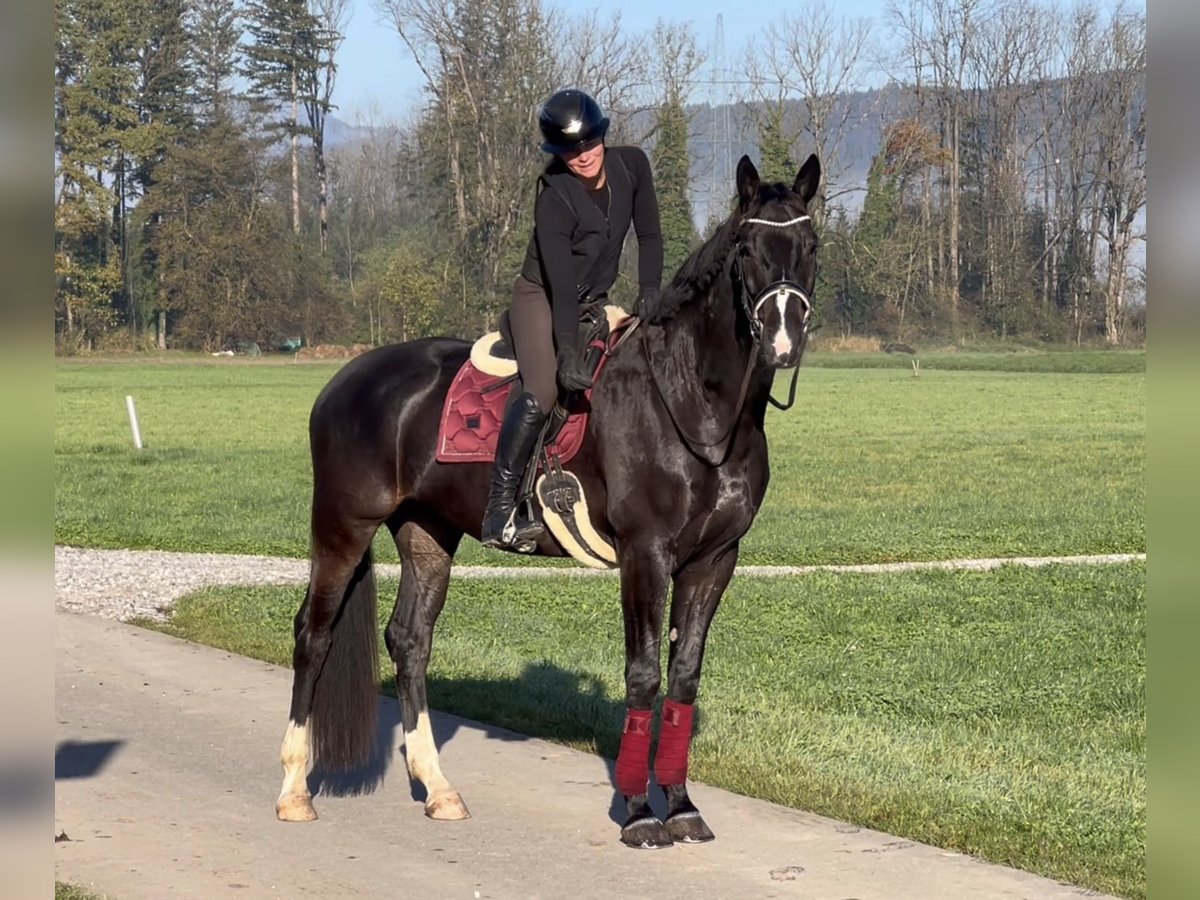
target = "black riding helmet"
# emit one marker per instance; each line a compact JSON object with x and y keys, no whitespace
{"x":569,"y":119}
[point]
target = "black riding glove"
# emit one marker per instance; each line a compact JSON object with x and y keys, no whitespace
{"x":572,"y":372}
{"x":647,"y":303}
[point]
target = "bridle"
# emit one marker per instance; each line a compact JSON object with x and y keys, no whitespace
{"x":784,"y":287}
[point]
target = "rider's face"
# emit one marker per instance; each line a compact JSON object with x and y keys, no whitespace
{"x":587,"y":160}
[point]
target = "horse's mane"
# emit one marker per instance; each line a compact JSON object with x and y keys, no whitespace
{"x":697,"y":273}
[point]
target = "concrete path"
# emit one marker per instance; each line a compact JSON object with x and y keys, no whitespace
{"x":167,"y":771}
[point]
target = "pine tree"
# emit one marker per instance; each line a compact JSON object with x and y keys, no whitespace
{"x":215,"y":32}
{"x":95,"y":111}
{"x":671,"y":169}
{"x":775,"y":147}
{"x":165,"y":119}
{"x":279,"y":60}
{"x":185,"y":187}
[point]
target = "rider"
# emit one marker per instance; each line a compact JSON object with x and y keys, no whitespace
{"x":580,"y":223}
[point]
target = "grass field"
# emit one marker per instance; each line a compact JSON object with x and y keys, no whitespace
{"x":872,"y":465}
{"x":1000,"y":714}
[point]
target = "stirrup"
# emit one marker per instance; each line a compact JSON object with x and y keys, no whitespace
{"x":510,"y":538}
{"x":521,"y":540}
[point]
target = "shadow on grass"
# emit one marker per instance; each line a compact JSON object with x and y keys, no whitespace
{"x":545,"y":702}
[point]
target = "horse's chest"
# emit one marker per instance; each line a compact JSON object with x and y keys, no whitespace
{"x":727,"y":502}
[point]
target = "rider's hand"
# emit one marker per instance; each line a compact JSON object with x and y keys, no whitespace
{"x":647,"y":302}
{"x":572,"y":372}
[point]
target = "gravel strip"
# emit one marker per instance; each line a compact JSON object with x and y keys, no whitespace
{"x":124,"y":584}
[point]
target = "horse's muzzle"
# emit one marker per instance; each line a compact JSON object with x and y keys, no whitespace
{"x":785,"y":331}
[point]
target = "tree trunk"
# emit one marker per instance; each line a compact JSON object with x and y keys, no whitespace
{"x":1046,"y":264}
{"x":322,"y":191}
{"x":927,"y":234}
{"x":295,"y":153}
{"x":954,"y":213}
{"x":1114,"y":296}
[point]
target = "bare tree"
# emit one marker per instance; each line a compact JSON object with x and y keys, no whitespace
{"x":769,"y":107}
{"x":1121,"y":153}
{"x":1003,"y":63}
{"x":330,"y":18}
{"x":609,"y":63}
{"x":487,"y":65}
{"x":821,"y":57}
{"x":939,"y":34}
{"x":1077,"y":211}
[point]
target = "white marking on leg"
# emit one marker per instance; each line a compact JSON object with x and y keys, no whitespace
{"x":782,"y":344}
{"x":294,"y":754}
{"x":421,"y":753}
{"x":295,"y":802}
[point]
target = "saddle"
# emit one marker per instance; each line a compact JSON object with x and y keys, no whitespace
{"x":473,"y":410}
{"x":474,"y":406}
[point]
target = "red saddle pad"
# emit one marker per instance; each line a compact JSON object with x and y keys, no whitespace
{"x":474,"y":408}
{"x":471,"y":417}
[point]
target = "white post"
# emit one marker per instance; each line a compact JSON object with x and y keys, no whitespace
{"x":133,"y":422}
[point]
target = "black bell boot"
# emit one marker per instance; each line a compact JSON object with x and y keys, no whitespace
{"x":502,"y":527}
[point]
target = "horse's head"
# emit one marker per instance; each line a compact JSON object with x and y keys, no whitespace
{"x":774,"y":267}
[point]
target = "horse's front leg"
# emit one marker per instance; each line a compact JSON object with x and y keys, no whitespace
{"x":645,"y":575}
{"x":698,"y":590}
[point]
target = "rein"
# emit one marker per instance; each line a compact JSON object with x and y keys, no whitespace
{"x":694,"y":442}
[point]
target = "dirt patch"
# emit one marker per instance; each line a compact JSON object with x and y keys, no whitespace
{"x":331,"y":351}
{"x":851,"y":343}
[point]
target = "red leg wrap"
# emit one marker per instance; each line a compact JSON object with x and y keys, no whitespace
{"x":674,"y":736}
{"x":633,"y":762}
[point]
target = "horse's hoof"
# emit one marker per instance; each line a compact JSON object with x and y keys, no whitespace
{"x":295,"y":808}
{"x":689,"y":828}
{"x":645,"y":833}
{"x":447,"y":807}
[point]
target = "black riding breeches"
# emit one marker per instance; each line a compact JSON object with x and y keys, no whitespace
{"x":533,"y":341}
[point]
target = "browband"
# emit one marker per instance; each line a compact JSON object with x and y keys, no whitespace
{"x":794,"y":221}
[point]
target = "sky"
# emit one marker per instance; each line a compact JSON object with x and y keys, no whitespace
{"x":378,"y":82}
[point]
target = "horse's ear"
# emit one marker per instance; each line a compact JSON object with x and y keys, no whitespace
{"x":808,"y":178}
{"x":747,"y":182}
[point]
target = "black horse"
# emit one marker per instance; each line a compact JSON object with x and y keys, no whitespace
{"x":674,"y":466}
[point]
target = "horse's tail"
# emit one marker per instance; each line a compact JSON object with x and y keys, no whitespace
{"x":345,"y":701}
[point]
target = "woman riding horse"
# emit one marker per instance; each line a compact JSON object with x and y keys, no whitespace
{"x":692,"y":385}
{"x":586,"y":199}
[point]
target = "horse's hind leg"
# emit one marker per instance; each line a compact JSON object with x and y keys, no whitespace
{"x":697,"y":592}
{"x":340,"y":573}
{"x":426,"y":550}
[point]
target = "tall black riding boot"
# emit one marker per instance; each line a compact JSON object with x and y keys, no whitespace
{"x":519,"y":432}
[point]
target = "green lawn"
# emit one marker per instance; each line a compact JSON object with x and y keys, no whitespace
{"x":1076,"y":361}
{"x":1001,"y":714}
{"x":873,"y":464}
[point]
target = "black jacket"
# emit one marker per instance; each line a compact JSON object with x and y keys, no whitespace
{"x":575,"y":250}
